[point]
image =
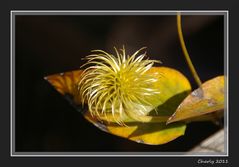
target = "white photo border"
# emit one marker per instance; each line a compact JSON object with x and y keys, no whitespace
{"x":14,"y":13}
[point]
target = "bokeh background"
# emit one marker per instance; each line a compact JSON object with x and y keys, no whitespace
{"x":46,"y":45}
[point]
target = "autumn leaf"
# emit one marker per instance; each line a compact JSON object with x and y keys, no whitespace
{"x":204,"y":100}
{"x":174,"y":88}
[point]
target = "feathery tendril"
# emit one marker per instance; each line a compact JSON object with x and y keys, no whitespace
{"x":118,"y":85}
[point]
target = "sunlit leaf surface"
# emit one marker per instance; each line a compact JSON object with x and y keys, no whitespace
{"x":174,"y":87}
{"x":205,"y":100}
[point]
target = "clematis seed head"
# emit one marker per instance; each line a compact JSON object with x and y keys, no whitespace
{"x":118,"y":85}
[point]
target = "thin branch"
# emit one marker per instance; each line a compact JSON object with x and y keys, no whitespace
{"x":185,"y":52}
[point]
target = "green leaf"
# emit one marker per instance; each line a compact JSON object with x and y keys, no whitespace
{"x":174,"y":87}
{"x":202,"y":101}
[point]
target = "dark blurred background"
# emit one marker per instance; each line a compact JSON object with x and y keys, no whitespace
{"x":45,"y":45}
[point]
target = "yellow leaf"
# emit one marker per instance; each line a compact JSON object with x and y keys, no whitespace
{"x":204,"y":100}
{"x":173,"y":86}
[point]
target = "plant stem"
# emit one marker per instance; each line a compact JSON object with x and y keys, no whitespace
{"x":185,"y":52}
